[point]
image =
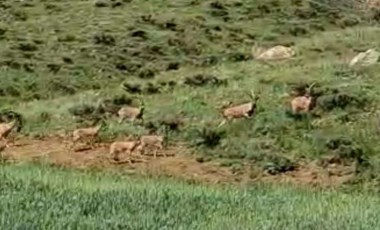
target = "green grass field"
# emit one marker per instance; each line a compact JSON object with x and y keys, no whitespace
{"x":46,"y":198}
{"x":69,"y":63}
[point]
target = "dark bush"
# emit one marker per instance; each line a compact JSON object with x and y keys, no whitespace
{"x":168,"y":25}
{"x":67,"y":38}
{"x":104,"y":39}
{"x":298,"y":31}
{"x":56,"y":85}
{"x":27,"y":4}
{"x":121,"y":100}
{"x":347,"y":22}
{"x":28,"y":47}
{"x":116,"y":4}
{"x":151,"y":126}
{"x":67,"y":60}
{"x":101,"y":3}
{"x":20,"y":15}
{"x":139,"y":33}
{"x":44,"y":117}
{"x":170,"y":84}
{"x":53,"y":67}
{"x":305,"y":13}
{"x":238,"y":57}
{"x":3,"y":30}
{"x":277,"y":164}
{"x":146,"y":73}
{"x":52,"y":7}
{"x":151,"y":88}
{"x":11,"y":64}
{"x":28,"y":67}
{"x":217,"y":5}
{"x":132,"y":88}
{"x":340,"y":100}
{"x":202,"y":80}
{"x":12,"y":91}
{"x":112,"y":105}
{"x":9,"y":115}
{"x":147,"y":18}
{"x":208,"y":137}
{"x":375,"y":14}
{"x":82,"y":110}
{"x":121,"y":66}
{"x":131,"y":66}
{"x":345,"y":149}
{"x":172,"y":66}
{"x":208,"y":61}
{"x":171,"y":123}
{"x":218,"y":9}
{"x":335,"y":143}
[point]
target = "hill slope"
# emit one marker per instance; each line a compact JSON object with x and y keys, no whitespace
{"x":186,"y":59}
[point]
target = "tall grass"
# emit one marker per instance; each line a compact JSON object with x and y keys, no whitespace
{"x":48,"y":198}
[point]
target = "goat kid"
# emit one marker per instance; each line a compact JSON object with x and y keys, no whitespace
{"x":131,"y":113}
{"x":118,"y":147}
{"x":151,"y":141}
{"x":86,"y":133}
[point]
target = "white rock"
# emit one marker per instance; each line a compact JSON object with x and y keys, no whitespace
{"x":275,"y":53}
{"x":366,"y":58}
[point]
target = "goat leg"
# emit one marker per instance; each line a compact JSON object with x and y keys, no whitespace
{"x":115,"y":156}
{"x":12,"y":140}
{"x":5,"y":140}
{"x":129,"y":161}
{"x":155,"y":153}
{"x":163,"y":152}
{"x":246,"y":115}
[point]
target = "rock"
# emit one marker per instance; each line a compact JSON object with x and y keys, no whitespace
{"x":366,"y":58}
{"x":275,"y":53}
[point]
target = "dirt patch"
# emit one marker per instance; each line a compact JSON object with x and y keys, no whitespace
{"x":178,"y":164}
{"x":313,"y":175}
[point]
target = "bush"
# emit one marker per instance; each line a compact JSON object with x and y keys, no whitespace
{"x":202,"y":80}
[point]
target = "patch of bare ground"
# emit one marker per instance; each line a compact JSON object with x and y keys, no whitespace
{"x":311,"y":174}
{"x":179,"y":164}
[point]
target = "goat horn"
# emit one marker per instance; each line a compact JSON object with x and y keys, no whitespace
{"x":250,"y":94}
{"x":311,"y":86}
{"x":141,"y":102}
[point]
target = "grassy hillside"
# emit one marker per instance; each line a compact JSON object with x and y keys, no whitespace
{"x":65,"y":64}
{"x":38,"y":197}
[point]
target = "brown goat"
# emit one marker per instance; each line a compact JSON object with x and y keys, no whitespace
{"x":131,"y":113}
{"x":239,"y":111}
{"x":5,"y":130}
{"x":151,"y":141}
{"x":86,"y":133}
{"x":303,"y":103}
{"x":118,"y":147}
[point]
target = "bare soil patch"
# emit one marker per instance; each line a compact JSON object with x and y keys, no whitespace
{"x":179,"y":164}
